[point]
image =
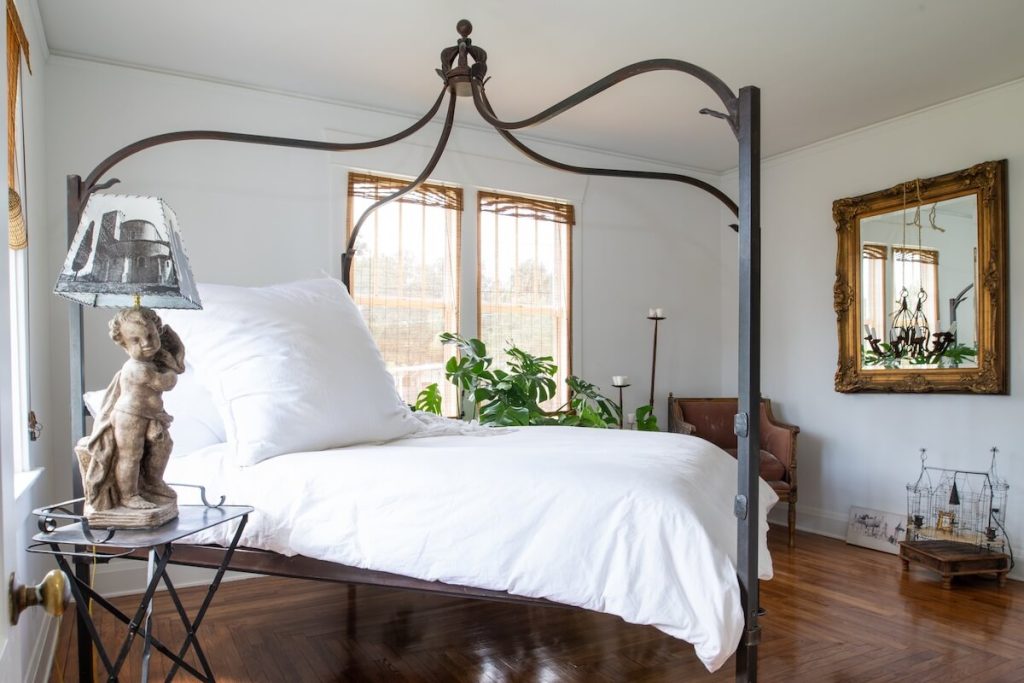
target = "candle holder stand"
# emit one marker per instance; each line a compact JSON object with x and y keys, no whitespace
{"x":654,"y":354}
{"x":622,"y":414}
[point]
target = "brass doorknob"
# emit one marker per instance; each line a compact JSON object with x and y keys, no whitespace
{"x":53,"y":593}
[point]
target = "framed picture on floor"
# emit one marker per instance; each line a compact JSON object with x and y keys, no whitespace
{"x":876,"y":529}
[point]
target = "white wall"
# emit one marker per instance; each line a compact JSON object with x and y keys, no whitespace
{"x":861,"y":449}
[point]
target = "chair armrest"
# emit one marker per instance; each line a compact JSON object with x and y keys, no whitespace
{"x":779,"y":439}
{"x":683,"y":427}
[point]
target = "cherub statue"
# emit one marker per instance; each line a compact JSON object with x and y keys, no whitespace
{"x":124,"y":459}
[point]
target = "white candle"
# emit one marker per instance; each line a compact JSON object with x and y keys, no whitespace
{"x":631,"y":419}
{"x":650,"y":312}
{"x":659,"y":313}
{"x":619,"y":380}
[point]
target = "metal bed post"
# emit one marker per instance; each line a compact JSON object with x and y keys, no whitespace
{"x":748,"y":420}
{"x":76,"y":364}
{"x":742,"y":113}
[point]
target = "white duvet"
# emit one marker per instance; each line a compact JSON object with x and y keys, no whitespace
{"x":636,"y":524}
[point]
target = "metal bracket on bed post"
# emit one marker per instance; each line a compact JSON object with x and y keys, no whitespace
{"x":748,"y":422}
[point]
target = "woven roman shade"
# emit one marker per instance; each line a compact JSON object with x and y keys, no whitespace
{"x":17,"y":45}
{"x":527,"y":207}
{"x":874,"y":251}
{"x":911,"y":255}
{"x":375,"y":187}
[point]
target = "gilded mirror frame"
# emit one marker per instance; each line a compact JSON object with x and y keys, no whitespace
{"x":988,"y":181}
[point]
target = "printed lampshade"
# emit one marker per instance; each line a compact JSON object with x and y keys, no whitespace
{"x":125,"y":247}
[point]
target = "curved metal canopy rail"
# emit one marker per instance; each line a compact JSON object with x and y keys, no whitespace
{"x":461,"y":78}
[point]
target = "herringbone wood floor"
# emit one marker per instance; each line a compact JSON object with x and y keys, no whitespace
{"x":835,"y":613}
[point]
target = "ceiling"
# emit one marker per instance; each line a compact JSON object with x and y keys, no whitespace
{"x":824,"y":68}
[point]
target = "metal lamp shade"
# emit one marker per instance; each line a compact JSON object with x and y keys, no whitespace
{"x":127,"y":250}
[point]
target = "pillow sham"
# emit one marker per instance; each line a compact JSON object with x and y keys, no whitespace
{"x":197,"y":423}
{"x":291,"y":367}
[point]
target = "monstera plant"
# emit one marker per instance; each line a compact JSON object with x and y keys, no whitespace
{"x":513,"y":396}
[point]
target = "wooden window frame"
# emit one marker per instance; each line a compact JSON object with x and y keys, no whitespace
{"x":558,"y":209}
{"x":452,"y":193}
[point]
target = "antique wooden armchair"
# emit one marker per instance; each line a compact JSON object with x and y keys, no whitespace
{"x":712,"y":419}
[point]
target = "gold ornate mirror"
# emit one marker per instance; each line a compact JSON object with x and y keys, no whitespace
{"x":920,"y":292}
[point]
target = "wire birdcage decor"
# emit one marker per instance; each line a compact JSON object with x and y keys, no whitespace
{"x":958,"y":505}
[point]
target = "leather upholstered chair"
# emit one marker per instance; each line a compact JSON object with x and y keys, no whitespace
{"x":712,"y":419}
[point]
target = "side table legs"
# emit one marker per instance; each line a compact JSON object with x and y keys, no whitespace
{"x":142,"y":620}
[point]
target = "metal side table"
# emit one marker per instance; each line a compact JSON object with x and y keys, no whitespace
{"x":111,"y":544}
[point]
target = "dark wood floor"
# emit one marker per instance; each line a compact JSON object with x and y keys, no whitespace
{"x":835,"y":613}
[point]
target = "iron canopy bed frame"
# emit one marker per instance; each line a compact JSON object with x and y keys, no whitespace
{"x":463,"y":73}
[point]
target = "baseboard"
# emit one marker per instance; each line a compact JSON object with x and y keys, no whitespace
{"x":128,"y":577}
{"x":812,"y":520}
{"x":37,"y":669}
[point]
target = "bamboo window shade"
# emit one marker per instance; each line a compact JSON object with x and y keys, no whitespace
{"x":17,"y":47}
{"x":524,"y":290}
{"x":375,"y":187}
{"x":527,"y":207}
{"x":875,"y":251}
{"x":913,"y":255}
{"x":405,"y":277}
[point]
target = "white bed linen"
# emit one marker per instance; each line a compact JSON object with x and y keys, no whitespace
{"x":636,"y":524}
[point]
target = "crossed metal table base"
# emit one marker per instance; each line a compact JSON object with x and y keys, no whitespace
{"x":158,"y":542}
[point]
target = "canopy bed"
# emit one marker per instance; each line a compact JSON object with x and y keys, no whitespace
{"x":463,"y":70}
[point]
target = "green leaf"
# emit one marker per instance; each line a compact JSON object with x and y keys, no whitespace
{"x":646,"y":420}
{"x":429,"y":400}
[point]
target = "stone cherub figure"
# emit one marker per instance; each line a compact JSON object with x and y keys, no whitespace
{"x":123,"y":460}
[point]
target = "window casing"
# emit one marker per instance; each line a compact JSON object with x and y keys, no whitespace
{"x":873,"y":264}
{"x":18,"y":290}
{"x":407,"y":271}
{"x":524,"y":279}
{"x":405,"y":277}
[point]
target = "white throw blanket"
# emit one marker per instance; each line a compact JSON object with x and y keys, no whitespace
{"x":636,"y":524}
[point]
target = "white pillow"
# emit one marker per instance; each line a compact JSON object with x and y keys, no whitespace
{"x":291,"y":368}
{"x":197,"y":423}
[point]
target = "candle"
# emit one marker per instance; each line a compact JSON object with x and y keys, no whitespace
{"x":619,"y":380}
{"x":650,"y":313}
{"x":659,"y":313}
{"x":631,"y":419}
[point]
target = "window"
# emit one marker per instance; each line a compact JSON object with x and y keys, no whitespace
{"x":18,"y":49}
{"x":407,"y":269}
{"x":405,"y":277}
{"x":525,"y":278}
{"x":873,"y":259}
{"x":918,"y":269}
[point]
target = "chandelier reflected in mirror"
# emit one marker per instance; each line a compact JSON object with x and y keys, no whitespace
{"x":910,"y":337}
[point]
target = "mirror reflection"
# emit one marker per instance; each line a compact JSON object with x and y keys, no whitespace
{"x":919,"y":286}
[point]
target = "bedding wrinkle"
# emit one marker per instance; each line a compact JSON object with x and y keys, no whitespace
{"x":635,"y":524}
